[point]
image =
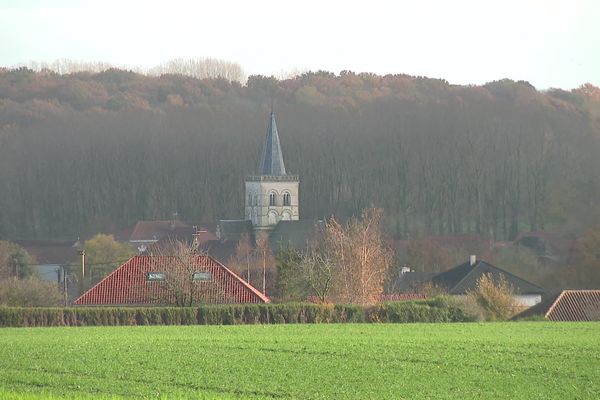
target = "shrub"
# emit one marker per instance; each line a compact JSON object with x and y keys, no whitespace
{"x":466,"y":305}
{"x":495,"y":297}
{"x":29,"y":292}
{"x":234,"y":314}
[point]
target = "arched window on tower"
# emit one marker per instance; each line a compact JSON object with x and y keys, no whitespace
{"x":272,"y":199}
{"x":287,"y":199}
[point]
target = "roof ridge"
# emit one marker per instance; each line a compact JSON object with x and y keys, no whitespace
{"x":466,"y":275}
{"x":513,"y":275}
{"x":105,"y":278}
{"x":243,"y":282}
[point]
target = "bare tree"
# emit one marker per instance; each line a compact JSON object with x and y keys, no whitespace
{"x":360,"y":255}
{"x":201,"y":68}
{"x":264,"y":257}
{"x":184,"y":276}
{"x":318,"y":270}
{"x":243,"y":257}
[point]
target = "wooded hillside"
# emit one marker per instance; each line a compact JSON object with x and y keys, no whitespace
{"x":89,"y":152}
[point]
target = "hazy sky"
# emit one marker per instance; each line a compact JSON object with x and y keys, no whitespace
{"x":548,"y":43}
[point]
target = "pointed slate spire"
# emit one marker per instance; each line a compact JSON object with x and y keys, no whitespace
{"x":271,"y":162}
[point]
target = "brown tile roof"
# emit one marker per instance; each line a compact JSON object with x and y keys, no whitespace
{"x":129,"y":284}
{"x":51,"y":251}
{"x":575,"y":305}
{"x":203,"y":236}
{"x":156,"y":230}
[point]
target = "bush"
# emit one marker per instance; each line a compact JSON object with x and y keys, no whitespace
{"x":417,"y":311}
{"x":495,"y":297}
{"x":466,"y":305}
{"x":29,"y":292}
{"x":234,"y":314}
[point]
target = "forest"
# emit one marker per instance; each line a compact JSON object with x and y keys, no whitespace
{"x":89,"y":152}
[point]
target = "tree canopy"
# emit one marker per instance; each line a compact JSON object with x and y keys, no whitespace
{"x":103,"y":254}
{"x":87,"y":152}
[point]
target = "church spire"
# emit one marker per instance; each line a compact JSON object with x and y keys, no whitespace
{"x":271,"y":162}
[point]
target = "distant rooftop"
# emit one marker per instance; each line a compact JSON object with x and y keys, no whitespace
{"x":463,"y":278}
{"x":143,"y":231}
{"x":569,"y":305}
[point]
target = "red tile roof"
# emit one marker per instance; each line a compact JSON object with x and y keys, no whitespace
{"x":129,"y":284}
{"x":575,"y":305}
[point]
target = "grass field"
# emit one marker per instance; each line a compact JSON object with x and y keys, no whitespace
{"x":535,"y":360}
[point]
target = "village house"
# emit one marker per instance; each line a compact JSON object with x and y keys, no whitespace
{"x":568,"y":305}
{"x":463,"y":278}
{"x":51,"y":256}
{"x":159,"y":280}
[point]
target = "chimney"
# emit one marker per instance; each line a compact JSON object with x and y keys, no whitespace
{"x":173,"y":220}
{"x":472,"y":260}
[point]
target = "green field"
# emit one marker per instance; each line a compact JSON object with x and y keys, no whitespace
{"x":534,"y":360}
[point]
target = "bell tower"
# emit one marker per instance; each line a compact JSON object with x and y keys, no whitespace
{"x":271,"y":194}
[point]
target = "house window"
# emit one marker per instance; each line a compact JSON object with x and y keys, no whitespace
{"x":156,"y":276}
{"x":202,"y":276}
{"x":287,"y":199}
{"x":272,"y":199}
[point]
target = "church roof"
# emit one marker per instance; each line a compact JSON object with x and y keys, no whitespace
{"x":271,"y":162}
{"x":294,"y":234}
{"x":234,"y":229}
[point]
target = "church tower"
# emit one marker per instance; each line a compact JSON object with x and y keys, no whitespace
{"x":272,"y":194}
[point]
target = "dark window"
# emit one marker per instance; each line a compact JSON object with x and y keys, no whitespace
{"x":272,"y":199}
{"x":287,"y":199}
{"x":156,"y":276}
{"x":202,"y":276}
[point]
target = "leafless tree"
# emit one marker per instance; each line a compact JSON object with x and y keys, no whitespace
{"x":202,"y":68}
{"x":243,"y":256}
{"x":361,"y":257}
{"x":264,"y":257}
{"x":318,"y":269}
{"x":183,"y":278}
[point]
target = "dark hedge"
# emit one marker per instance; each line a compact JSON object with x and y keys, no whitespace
{"x":232,"y":314}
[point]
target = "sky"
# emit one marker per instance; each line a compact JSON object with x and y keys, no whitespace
{"x":548,"y":43}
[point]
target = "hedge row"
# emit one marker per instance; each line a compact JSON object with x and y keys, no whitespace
{"x":232,"y":314}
